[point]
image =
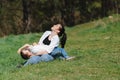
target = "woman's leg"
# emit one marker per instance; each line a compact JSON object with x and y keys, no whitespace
{"x":33,"y":60}
{"x":46,"y":58}
{"x":37,"y":59}
{"x":59,"y":51}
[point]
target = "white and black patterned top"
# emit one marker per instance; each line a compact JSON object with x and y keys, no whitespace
{"x":46,"y":44}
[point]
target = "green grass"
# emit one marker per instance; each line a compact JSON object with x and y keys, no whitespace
{"x":96,"y":46}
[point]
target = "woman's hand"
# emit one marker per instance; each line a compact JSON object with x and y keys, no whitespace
{"x":24,"y":46}
{"x":34,"y":44}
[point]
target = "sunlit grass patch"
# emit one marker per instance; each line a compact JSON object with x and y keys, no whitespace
{"x":96,"y":47}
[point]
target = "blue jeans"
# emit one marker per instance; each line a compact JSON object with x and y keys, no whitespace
{"x":59,"y":52}
{"x":37,"y":59}
{"x":56,"y":53}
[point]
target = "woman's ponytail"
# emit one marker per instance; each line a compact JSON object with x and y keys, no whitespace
{"x":63,"y":36}
{"x":63,"y":40}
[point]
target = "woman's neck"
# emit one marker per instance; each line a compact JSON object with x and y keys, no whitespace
{"x":53,"y":33}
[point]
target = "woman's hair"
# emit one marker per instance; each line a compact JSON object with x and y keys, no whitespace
{"x":63,"y":36}
{"x":24,"y":56}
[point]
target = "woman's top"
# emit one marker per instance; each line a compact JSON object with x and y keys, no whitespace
{"x":46,"y":41}
{"x":44,"y":44}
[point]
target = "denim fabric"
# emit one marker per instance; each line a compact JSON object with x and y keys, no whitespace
{"x":38,"y":59}
{"x":59,"y":52}
{"x":56,"y":53}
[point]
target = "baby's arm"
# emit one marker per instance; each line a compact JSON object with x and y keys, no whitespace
{"x":24,"y":46}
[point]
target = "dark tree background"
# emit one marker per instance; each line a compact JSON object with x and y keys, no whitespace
{"x":24,"y":16}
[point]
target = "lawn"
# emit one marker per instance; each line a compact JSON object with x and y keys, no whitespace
{"x":96,"y":46}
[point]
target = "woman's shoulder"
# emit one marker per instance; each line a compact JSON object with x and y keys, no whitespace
{"x":47,"y":32}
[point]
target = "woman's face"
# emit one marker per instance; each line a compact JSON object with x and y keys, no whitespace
{"x":56,"y":28}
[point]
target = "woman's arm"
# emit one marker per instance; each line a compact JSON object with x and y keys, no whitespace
{"x":45,"y":34}
{"x":54,"y":43}
{"x":24,"y":46}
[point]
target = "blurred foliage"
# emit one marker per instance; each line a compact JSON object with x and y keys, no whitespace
{"x":25,"y":16}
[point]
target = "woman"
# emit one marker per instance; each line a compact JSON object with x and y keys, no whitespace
{"x":47,"y":46}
